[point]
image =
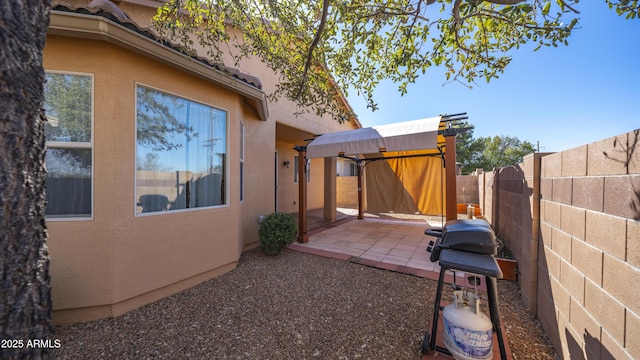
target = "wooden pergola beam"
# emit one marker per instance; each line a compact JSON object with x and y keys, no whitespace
{"x":451,"y":197}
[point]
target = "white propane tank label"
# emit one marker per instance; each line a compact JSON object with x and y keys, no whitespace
{"x":467,"y":331}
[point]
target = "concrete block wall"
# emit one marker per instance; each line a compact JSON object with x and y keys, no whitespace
{"x":510,"y":204}
{"x":467,"y":189}
{"x":589,"y":301}
{"x":572,"y":221}
{"x":486,"y":184}
{"x":347,"y":191}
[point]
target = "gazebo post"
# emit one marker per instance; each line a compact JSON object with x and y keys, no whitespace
{"x":360,"y":210}
{"x":450,"y":172}
{"x":302,"y":193}
{"x":330,"y":203}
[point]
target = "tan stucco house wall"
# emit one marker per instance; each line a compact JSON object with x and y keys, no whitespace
{"x":119,"y":258}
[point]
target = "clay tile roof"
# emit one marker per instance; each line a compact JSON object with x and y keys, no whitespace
{"x":110,"y":11}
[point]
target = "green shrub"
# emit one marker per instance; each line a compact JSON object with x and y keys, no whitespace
{"x":277,"y":230}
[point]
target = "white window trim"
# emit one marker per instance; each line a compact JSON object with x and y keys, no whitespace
{"x":77,"y":145}
{"x":227,"y":183}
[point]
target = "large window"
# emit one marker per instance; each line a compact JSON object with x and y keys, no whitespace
{"x":181,"y":153}
{"x":68,"y":132}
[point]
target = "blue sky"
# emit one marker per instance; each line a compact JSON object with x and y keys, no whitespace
{"x":560,"y":97}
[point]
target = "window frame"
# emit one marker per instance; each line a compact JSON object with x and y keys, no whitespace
{"x":353,"y":170}
{"x":77,"y":145}
{"x":225,"y":183}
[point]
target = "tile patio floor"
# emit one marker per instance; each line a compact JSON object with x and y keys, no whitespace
{"x":383,"y":242}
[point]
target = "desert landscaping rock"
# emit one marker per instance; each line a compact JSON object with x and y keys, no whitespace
{"x":290,"y":306}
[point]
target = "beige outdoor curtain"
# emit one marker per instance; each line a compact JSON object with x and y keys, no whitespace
{"x":406,"y":185}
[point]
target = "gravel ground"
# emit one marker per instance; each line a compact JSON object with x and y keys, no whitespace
{"x":290,"y":306}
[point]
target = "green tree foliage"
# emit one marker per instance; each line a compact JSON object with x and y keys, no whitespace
{"x":365,"y":42}
{"x":468,"y":151}
{"x":490,"y":152}
{"x":627,"y":8}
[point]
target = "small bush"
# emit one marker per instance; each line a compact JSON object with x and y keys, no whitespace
{"x":277,"y":230}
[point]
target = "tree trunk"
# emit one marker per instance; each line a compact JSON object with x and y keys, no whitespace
{"x":25,"y":293}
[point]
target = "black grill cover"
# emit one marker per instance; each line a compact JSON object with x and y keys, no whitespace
{"x":474,"y":236}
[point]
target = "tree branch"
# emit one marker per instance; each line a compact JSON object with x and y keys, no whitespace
{"x":505,"y":2}
{"x":314,"y":43}
{"x":456,"y":12}
{"x":564,"y":3}
{"x":498,"y":16}
{"x":384,"y":10}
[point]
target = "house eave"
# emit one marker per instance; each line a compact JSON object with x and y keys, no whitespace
{"x":84,"y":26}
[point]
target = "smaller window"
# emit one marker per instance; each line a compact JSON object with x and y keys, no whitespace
{"x":69,"y":139}
{"x":353,"y":170}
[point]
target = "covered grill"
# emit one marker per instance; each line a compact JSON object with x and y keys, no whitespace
{"x":474,"y":236}
{"x":469,"y":246}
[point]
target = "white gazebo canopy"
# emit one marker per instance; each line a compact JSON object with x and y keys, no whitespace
{"x":419,"y":134}
{"x":417,"y":138}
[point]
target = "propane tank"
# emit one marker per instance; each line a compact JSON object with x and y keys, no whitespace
{"x":467,"y":331}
